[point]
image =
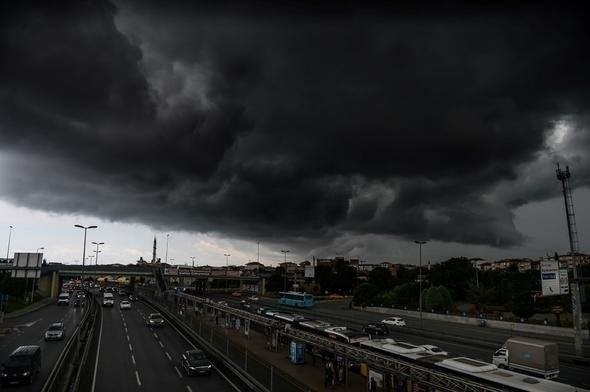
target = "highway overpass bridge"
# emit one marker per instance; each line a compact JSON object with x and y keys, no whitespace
{"x":53,"y":275}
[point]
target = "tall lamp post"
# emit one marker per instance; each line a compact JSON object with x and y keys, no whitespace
{"x":226,"y":268}
{"x":285,"y":251}
{"x":97,"y":251}
{"x":193,"y":259}
{"x":35,"y":278}
{"x":420,"y":243}
{"x":167,"y":237}
{"x":84,"y":249}
{"x":9,"y":236}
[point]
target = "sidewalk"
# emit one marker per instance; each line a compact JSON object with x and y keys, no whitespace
{"x":29,"y":309}
{"x":256,"y":346}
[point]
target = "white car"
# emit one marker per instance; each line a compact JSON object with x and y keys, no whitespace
{"x":434,"y":350}
{"x":124,"y":305}
{"x":395,"y":321}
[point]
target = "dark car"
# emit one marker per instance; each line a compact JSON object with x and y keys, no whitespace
{"x":78,"y":302}
{"x":22,"y":365}
{"x":195,"y":362}
{"x":376,"y":329}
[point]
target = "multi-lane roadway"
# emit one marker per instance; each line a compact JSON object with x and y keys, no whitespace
{"x":457,"y":339}
{"x":29,"y":329}
{"x":140,"y":358}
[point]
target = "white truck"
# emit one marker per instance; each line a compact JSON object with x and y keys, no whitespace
{"x":531,"y":356}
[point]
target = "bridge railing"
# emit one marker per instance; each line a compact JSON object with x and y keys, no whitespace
{"x":65,"y":374}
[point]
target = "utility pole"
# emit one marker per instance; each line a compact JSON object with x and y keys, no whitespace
{"x":285,"y":251}
{"x":226,"y":269}
{"x":9,"y":236}
{"x":97,"y":251}
{"x":167,"y":236}
{"x":420,"y":243}
{"x":84,"y":249}
{"x":564,"y":177}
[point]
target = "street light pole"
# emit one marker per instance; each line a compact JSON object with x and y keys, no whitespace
{"x":84,"y":248}
{"x":226,"y":268}
{"x":97,"y":251}
{"x":9,"y":236}
{"x":420,"y":243}
{"x":35,"y":278}
{"x":167,"y":236}
{"x":285,"y":251}
{"x":193,"y":258}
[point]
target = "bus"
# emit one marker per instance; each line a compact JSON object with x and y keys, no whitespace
{"x":346,"y":335}
{"x":295,"y":299}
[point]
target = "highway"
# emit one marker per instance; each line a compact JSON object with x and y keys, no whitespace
{"x":338,"y":313}
{"x":30,"y":329}
{"x":136,"y":358}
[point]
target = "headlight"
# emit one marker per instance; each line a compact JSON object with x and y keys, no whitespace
{"x":4,"y":374}
{"x":192,"y":368}
{"x":26,"y":373}
{"x":208,"y":366}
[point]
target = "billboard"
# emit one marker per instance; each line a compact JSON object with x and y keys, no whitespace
{"x":554,"y":279}
{"x":27,"y":265}
{"x":310,"y":271}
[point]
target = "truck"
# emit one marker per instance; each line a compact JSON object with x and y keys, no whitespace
{"x":530,"y":356}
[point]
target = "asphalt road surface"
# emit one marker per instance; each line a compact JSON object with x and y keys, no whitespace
{"x":29,"y":329}
{"x":338,"y":314}
{"x":134,"y":357}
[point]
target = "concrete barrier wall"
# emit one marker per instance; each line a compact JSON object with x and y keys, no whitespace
{"x":517,"y":327}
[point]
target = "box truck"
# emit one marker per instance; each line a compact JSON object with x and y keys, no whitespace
{"x":531,"y":356}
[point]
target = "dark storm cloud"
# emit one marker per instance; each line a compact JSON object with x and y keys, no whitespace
{"x":291,"y":124}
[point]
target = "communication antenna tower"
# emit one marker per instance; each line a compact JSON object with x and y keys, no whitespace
{"x":564,"y":177}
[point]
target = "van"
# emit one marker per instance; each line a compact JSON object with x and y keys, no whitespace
{"x":22,"y":366}
{"x":108,"y":299}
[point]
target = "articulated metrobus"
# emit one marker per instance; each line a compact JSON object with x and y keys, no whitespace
{"x":295,"y":299}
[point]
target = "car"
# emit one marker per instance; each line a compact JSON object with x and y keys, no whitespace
{"x":78,"y":302}
{"x":55,"y":331}
{"x":63,"y":299}
{"x":245,"y":304}
{"x":21,"y":366}
{"x":155,"y":320}
{"x":434,"y":350}
{"x":376,"y":329}
{"x":253,"y":298}
{"x":107,"y":299}
{"x":124,"y":305}
{"x":236,"y":294}
{"x":395,"y":321}
{"x":195,"y":362}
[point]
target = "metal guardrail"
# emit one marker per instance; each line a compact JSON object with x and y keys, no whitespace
{"x":246,"y":379}
{"x":426,"y":375}
{"x":69,"y":362}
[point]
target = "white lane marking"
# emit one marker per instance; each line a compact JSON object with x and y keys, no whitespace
{"x":133,"y":359}
{"x":195,"y":347}
{"x":155,"y":335}
{"x":97,"y":352}
{"x":189,"y":389}
{"x":178,"y":371}
{"x":168,"y":355}
{"x":161,"y":344}
{"x":127,"y":336}
{"x":137,"y":377}
{"x":130,"y":348}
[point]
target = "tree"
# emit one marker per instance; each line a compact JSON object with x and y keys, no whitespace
{"x":407,"y":294}
{"x":437,"y":298}
{"x":382,"y":278}
{"x":365,"y":293}
{"x":455,"y":274}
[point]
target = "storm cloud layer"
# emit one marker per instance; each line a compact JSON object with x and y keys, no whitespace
{"x":294,"y":124}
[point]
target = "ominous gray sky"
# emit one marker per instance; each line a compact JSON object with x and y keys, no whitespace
{"x":327,"y":129}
